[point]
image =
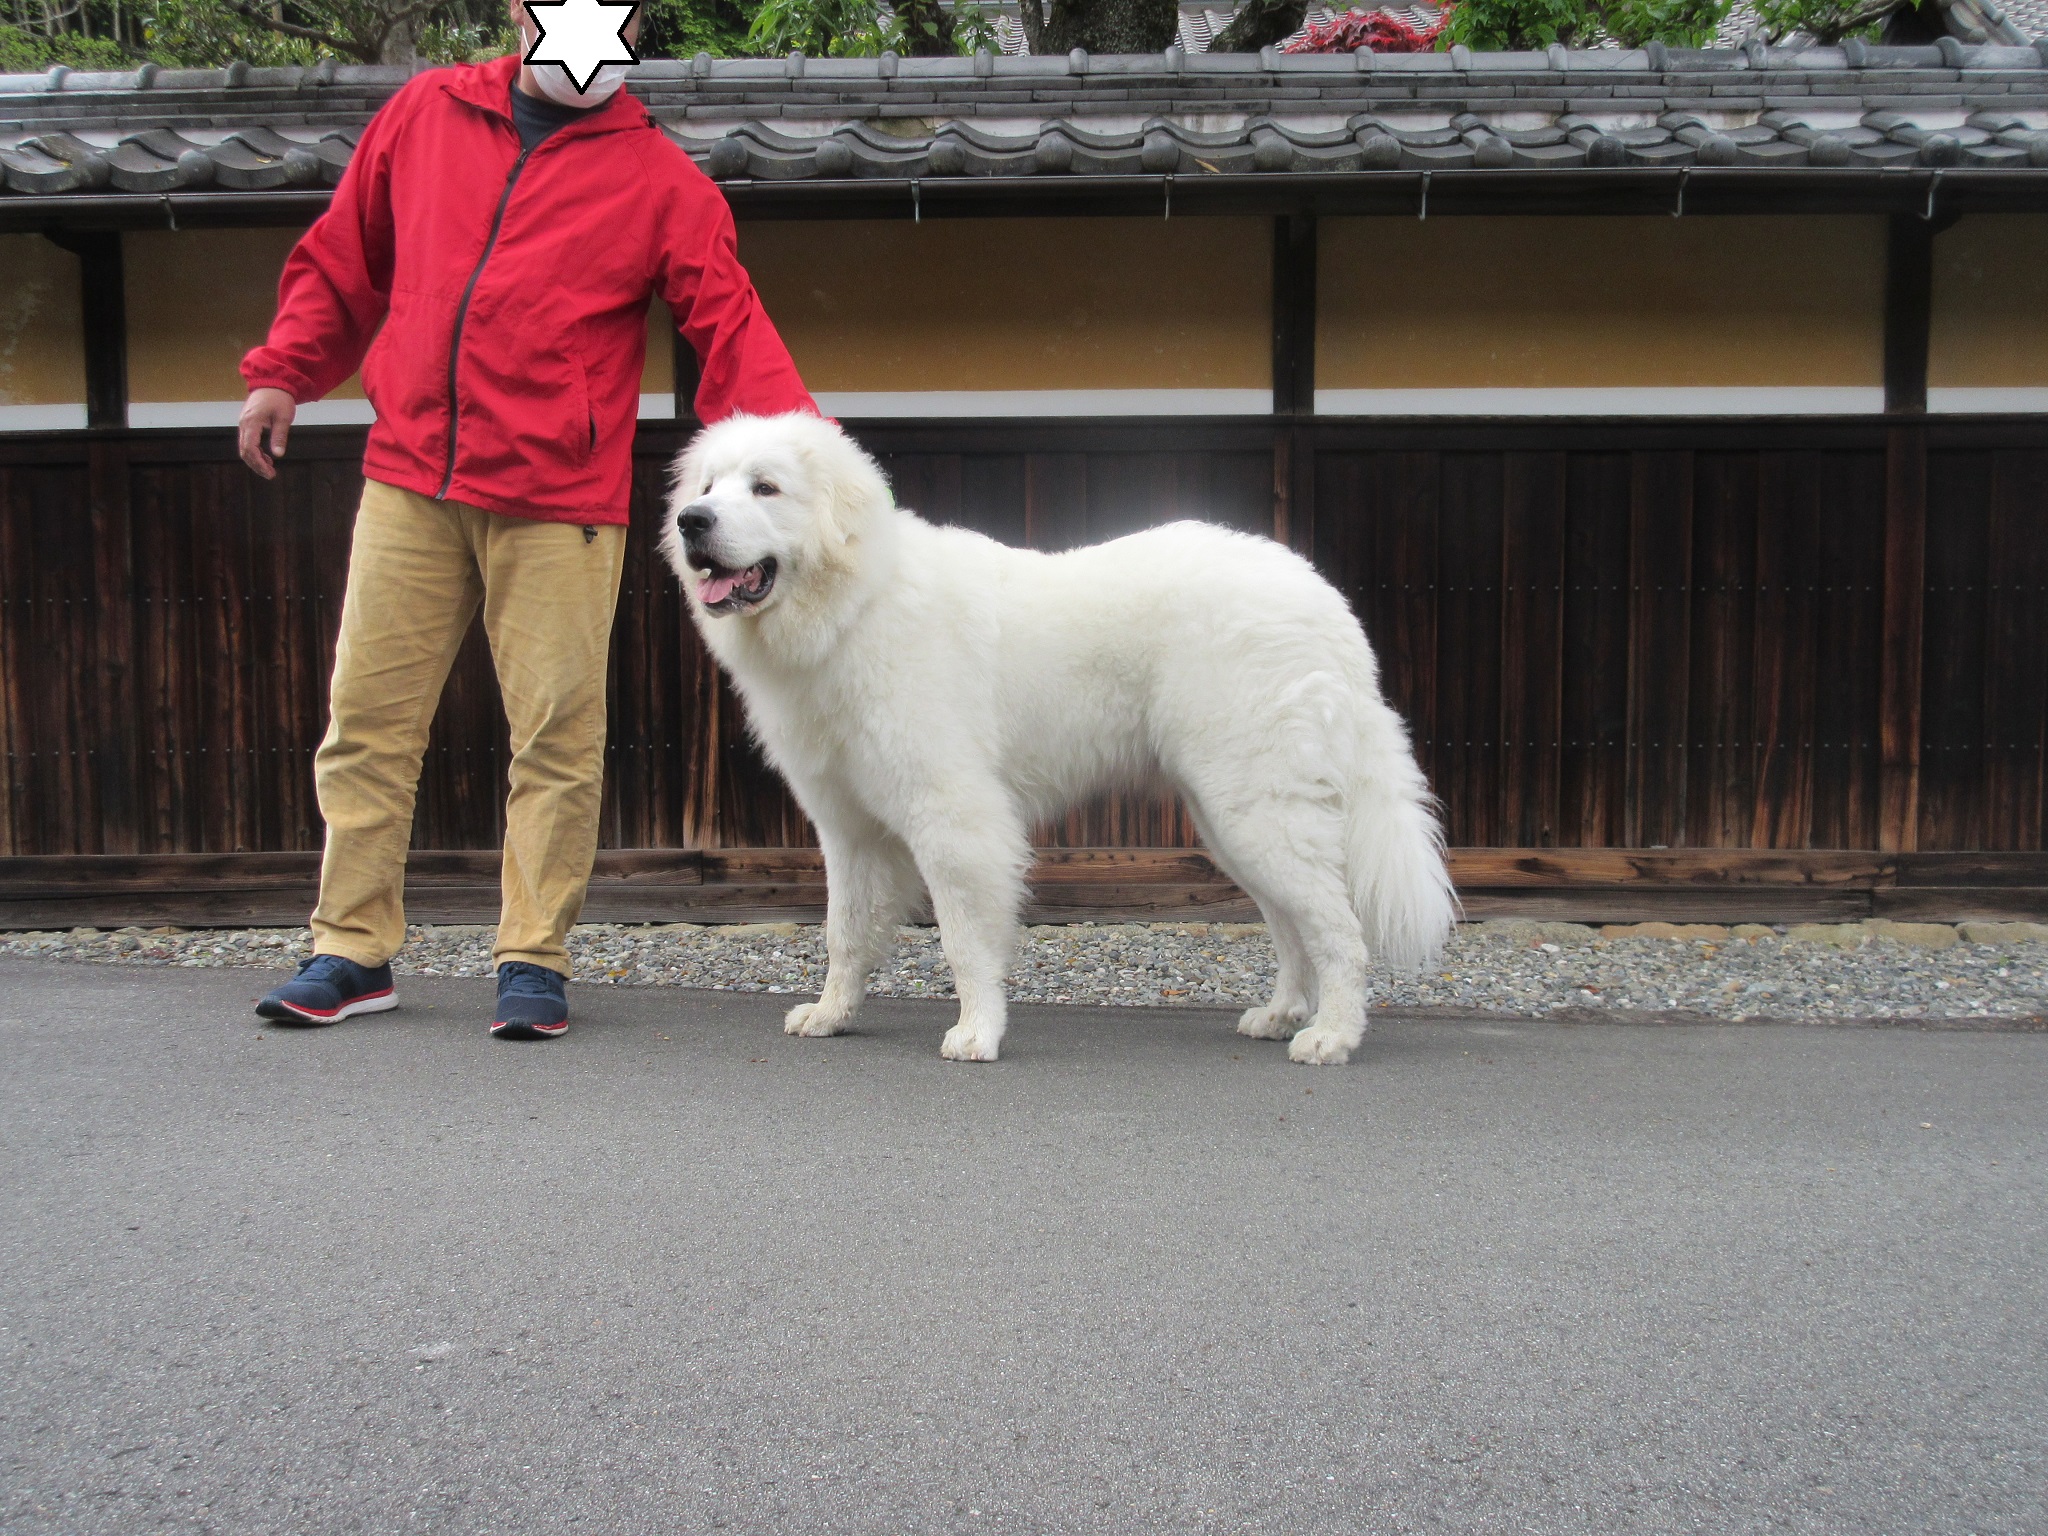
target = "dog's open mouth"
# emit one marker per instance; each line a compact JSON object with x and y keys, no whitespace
{"x":727,"y":591}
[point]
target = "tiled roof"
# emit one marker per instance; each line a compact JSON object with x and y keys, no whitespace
{"x":803,"y":120}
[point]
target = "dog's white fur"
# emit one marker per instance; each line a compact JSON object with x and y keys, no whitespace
{"x":929,"y":693}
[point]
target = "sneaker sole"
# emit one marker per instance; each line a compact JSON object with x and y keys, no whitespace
{"x":291,"y":1013}
{"x":502,"y":1031}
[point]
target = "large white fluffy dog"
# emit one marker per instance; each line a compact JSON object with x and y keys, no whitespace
{"x":929,"y":693}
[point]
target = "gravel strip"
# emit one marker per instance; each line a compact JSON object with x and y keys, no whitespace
{"x":1849,"y":971}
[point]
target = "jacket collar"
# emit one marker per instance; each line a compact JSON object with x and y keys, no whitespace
{"x":488,"y":87}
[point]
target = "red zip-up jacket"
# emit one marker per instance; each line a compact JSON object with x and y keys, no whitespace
{"x":512,"y":290}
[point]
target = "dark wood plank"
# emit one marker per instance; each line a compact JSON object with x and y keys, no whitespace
{"x":2016,"y":652}
{"x":1376,"y":542}
{"x":1785,"y":650}
{"x":1068,"y":885}
{"x":1660,"y":617}
{"x":1903,"y":609}
{"x":1719,"y":761}
{"x":1633,"y":904}
{"x":1468,"y":634}
{"x":1533,"y":531}
{"x":116,"y":748}
{"x":1975,"y":869}
{"x":1056,"y":501}
{"x":1594,"y":704}
{"x":1848,"y":649}
{"x":1952,"y":723}
{"x":1522,"y":867}
{"x":1955,"y":904}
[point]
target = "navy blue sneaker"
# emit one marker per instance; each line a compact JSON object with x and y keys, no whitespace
{"x":533,"y":1003}
{"x":329,"y":988}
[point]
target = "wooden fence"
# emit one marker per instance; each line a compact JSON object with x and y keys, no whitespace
{"x":1789,"y":635}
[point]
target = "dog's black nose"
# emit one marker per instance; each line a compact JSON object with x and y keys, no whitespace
{"x":695,"y":520}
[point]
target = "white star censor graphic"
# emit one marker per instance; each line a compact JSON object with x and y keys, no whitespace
{"x":581,"y":36}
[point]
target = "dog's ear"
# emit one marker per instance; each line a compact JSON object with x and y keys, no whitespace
{"x":852,"y":490}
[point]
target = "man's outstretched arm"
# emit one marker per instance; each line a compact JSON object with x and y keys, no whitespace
{"x":333,"y":295}
{"x":744,"y":365}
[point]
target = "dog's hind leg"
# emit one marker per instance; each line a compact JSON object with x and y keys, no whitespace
{"x":974,"y":865}
{"x":1293,"y":999}
{"x":870,"y":883}
{"x":1283,"y":1014}
{"x":1289,"y":856}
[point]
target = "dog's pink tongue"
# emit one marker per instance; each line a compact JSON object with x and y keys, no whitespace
{"x":717,"y":588}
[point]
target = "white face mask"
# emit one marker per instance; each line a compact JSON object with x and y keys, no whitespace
{"x":555,"y":84}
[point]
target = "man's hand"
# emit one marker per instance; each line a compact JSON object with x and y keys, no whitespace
{"x":266,"y":411}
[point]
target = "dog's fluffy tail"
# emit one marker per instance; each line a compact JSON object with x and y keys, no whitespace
{"x":1400,"y":886}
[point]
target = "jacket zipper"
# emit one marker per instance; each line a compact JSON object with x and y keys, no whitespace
{"x":462,"y":314}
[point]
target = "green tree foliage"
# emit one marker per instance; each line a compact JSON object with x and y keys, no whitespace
{"x":863,"y":28}
{"x":1539,"y":23}
{"x":682,"y":29}
{"x":1827,"y":21}
{"x":30,"y":51}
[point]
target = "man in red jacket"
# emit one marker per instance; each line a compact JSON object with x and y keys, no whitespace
{"x":492,"y":248}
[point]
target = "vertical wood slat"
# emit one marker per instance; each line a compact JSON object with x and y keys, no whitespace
{"x":1532,"y":648}
{"x":115,"y":742}
{"x":1956,"y":554}
{"x":1847,"y":598}
{"x":1660,"y":597}
{"x":2016,"y":654}
{"x":1903,"y":640}
{"x":1594,"y":706}
{"x":1719,"y":792}
{"x":1382,"y":554}
{"x":1468,"y":662}
{"x":1786,"y":651}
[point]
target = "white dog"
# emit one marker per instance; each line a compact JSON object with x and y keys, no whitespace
{"x":929,"y":693}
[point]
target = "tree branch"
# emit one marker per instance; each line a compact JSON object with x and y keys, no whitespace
{"x":1261,"y":22}
{"x":354,"y":50}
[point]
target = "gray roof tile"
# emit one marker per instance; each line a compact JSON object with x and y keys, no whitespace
{"x":280,"y":128}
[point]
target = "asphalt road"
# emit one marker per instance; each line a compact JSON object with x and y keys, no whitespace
{"x":678,"y":1273}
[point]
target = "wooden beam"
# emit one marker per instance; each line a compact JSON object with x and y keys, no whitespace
{"x":1908,"y":306}
{"x":103,"y":304}
{"x":1626,"y":190}
{"x":1597,"y":885}
{"x":1294,"y":314}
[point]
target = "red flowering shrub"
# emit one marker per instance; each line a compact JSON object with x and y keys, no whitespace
{"x":1368,"y":29}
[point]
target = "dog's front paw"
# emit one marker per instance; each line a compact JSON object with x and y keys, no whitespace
{"x":1320,"y":1046}
{"x":969,"y":1042}
{"x":1269,"y":1023}
{"x":813,"y":1020}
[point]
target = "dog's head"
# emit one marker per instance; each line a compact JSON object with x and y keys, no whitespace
{"x":760,"y":506}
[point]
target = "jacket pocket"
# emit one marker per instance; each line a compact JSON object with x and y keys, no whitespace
{"x":589,"y":412}
{"x":405,"y":372}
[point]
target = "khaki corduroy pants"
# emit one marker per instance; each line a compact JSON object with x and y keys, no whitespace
{"x":418,"y":570}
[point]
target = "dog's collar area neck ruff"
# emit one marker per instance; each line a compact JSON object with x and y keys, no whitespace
{"x":730,"y":591}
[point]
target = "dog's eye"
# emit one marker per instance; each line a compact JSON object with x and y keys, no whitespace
{"x":763,"y":488}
